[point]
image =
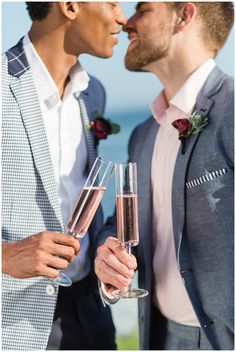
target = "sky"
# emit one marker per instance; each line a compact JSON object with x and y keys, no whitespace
{"x":126,"y":91}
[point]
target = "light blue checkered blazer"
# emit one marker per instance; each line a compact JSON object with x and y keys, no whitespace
{"x":29,"y":196}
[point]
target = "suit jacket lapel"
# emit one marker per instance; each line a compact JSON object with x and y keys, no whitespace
{"x":17,"y":60}
{"x":145,"y":192}
{"x":87,"y":112}
{"x":203,"y":106}
{"x":22,"y":86}
{"x":26,"y":96}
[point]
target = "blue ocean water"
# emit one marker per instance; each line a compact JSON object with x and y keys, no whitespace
{"x":115,"y":148}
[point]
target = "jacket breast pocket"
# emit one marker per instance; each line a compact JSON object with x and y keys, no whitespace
{"x":211,"y":191}
{"x":209,"y":176}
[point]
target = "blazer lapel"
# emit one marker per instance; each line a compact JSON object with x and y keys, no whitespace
{"x":86,"y":113}
{"x":144,"y":161}
{"x":26,"y":96}
{"x":203,"y":106}
{"x":17,"y":60}
{"x":23,"y":88}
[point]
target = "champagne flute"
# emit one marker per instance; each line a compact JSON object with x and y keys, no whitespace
{"x":127,"y":217}
{"x":87,"y":204}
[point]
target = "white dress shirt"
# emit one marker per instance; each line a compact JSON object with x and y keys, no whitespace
{"x":66,"y":140}
{"x":170,"y":293}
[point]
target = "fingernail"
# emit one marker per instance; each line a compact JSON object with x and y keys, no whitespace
{"x":130,"y":265}
{"x":130,"y":273}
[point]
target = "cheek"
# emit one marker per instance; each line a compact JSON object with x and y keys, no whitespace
{"x":156,"y":35}
{"x":146,"y":29}
{"x":106,"y":21}
{"x":102,"y":33}
{"x":148,"y":36}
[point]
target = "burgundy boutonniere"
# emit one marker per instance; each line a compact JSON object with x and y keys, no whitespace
{"x":102,"y":127}
{"x":186,"y":127}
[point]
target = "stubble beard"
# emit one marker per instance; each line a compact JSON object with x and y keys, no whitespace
{"x":148,"y":51}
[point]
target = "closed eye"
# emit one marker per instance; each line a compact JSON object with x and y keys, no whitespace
{"x":113,"y":4}
{"x":142,"y":8}
{"x":142,"y":12}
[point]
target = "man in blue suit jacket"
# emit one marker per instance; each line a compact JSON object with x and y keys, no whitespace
{"x":185,"y":162}
{"x":48,"y":101}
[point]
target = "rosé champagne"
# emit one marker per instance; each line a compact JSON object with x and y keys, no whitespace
{"x":87,"y":204}
{"x":127,"y":219}
{"x":84,"y":211}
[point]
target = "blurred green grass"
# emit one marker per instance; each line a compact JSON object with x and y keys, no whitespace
{"x":128,"y":342}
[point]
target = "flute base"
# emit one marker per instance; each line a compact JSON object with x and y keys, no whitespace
{"x":62,"y":280}
{"x":132,"y":293}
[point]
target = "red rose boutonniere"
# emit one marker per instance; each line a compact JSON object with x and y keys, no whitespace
{"x":102,"y":127}
{"x":186,"y":127}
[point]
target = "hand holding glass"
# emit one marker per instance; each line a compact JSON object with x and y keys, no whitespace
{"x":87,"y":204}
{"x":127,"y":216}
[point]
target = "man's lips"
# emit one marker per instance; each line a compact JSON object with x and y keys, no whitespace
{"x":133,"y":41}
{"x":115,"y":36}
{"x":133,"y":38}
{"x":132,"y":35}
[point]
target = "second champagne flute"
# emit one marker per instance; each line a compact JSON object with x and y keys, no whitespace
{"x":87,"y":204}
{"x":127,"y":216}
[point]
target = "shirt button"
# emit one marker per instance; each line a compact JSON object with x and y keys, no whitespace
{"x":50,"y":290}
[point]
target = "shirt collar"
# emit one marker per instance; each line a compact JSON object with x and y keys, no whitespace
{"x":79,"y":78}
{"x":186,"y":96}
{"x":184,"y":100}
{"x":45,"y":86}
{"x":159,"y":106}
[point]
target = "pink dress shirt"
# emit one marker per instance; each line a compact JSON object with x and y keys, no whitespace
{"x":170,"y":294}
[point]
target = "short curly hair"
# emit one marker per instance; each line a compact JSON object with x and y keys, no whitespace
{"x":38,"y":11}
{"x":217,"y":19}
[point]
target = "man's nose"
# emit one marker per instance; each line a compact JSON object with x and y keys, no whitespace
{"x":128,"y":25}
{"x":121,"y":19}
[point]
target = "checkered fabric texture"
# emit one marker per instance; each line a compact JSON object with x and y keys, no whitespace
{"x":29,"y":197}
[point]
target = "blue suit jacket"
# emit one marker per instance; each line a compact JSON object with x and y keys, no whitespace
{"x":29,"y":195}
{"x":202,"y":210}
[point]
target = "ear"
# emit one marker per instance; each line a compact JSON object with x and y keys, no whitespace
{"x":185,"y":16}
{"x":69,"y":9}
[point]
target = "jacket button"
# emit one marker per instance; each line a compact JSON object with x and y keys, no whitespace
{"x":184,"y":271}
{"x":208,"y":324}
{"x":50,"y":290}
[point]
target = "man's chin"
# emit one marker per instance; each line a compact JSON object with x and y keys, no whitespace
{"x":105,"y":56}
{"x":102,"y":54}
{"x":135,"y":69}
{"x":134,"y":66}
{"x":140,"y":67}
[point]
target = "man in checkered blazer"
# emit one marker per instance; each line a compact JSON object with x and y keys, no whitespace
{"x":48,"y":100}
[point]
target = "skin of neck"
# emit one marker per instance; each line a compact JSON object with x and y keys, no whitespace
{"x":187,"y":53}
{"x":48,"y":38}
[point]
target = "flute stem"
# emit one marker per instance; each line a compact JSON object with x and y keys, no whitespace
{"x":128,"y":248}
